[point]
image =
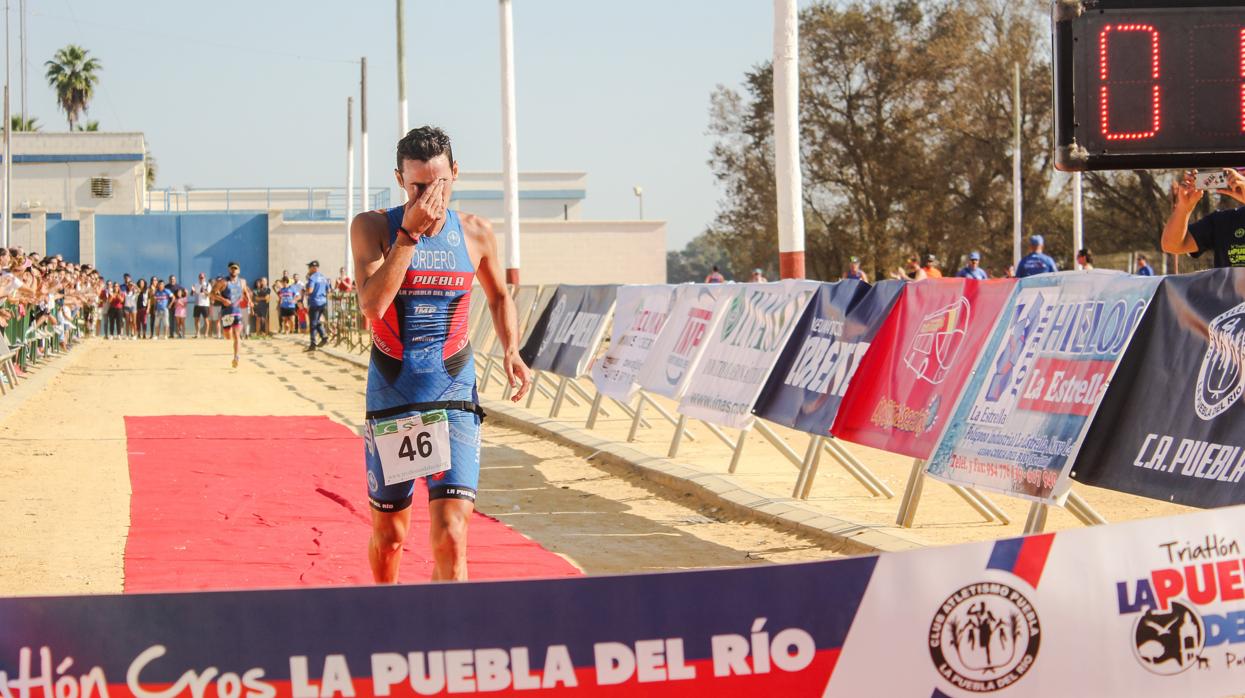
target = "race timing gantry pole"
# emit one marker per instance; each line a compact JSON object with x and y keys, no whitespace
{"x":787,"y":139}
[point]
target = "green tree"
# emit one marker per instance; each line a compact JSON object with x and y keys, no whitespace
{"x":74,"y":75}
{"x":16,"y":123}
{"x":906,"y":116}
{"x":695,"y":261}
{"x":91,"y":125}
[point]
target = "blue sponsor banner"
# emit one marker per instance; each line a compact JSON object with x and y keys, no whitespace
{"x":1023,"y":413}
{"x":688,"y":633}
{"x":811,"y":376}
{"x":1171,"y":424}
{"x":567,"y":333}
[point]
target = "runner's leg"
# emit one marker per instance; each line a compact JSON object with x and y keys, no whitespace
{"x":384,"y":548}
{"x":447,"y":533}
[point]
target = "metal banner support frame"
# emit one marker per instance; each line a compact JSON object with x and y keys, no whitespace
{"x":1075,"y":504}
{"x":916,"y":484}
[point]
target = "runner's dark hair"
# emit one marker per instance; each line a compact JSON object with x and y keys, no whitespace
{"x":423,"y":144}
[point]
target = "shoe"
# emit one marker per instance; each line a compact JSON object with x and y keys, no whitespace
{"x":323,"y":341}
{"x":310,"y":348}
{"x":235,"y":362}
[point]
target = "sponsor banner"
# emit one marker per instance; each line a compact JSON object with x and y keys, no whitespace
{"x":681,"y":340}
{"x":567,"y":333}
{"x":1170,"y":425}
{"x":812,"y":373}
{"x":1142,"y":609}
{"x":907,"y":383}
{"x":639,"y":317}
{"x":755,"y":322}
{"x":1022,"y":414}
{"x":704,"y":633}
{"x":1138,"y":610}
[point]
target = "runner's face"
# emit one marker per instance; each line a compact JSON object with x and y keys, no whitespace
{"x":233,"y":272}
{"x":417,"y":175}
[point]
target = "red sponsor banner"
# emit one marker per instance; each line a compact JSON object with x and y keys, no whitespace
{"x":907,"y":382}
{"x":1065,"y":386}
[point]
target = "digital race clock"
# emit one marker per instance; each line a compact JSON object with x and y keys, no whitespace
{"x":1142,"y":84}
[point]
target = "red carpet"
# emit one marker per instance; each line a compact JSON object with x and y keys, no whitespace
{"x":264,"y":502}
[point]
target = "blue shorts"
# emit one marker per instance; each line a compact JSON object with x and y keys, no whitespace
{"x":459,"y":482}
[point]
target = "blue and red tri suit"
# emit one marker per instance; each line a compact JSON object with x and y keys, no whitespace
{"x":422,"y":361}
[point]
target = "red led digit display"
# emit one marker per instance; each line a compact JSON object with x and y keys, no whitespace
{"x":1149,"y":84}
{"x":1149,"y":90}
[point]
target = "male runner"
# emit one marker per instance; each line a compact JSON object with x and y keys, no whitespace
{"x":414,"y":265}
{"x":230,"y":294}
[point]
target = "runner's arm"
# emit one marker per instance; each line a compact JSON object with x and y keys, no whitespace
{"x":501,"y":305}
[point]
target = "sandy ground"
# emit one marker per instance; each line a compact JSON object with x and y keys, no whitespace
{"x":64,"y":485}
{"x":942,"y":517}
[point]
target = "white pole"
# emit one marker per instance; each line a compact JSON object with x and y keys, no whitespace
{"x":402,"y":123}
{"x":22,"y":43}
{"x":6,"y":207}
{"x":787,"y":139}
{"x":349,"y":179}
{"x":1078,"y":221}
{"x":1017,"y":192}
{"x":510,"y":157}
{"x":364,"y":204}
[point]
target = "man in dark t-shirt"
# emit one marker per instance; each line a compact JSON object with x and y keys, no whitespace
{"x":1221,"y":231}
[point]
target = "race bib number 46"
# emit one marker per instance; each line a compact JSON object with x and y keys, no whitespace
{"x":415,"y":446}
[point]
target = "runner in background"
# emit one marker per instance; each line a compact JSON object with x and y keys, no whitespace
{"x":715,"y":276}
{"x":230,"y":294}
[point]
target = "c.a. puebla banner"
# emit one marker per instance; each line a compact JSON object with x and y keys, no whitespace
{"x":1144,"y":609}
{"x":1022,"y":415}
{"x":907,"y":383}
{"x":568,"y":331}
{"x":813,"y":371}
{"x":1171,"y":424}
{"x":756,"y":320}
{"x":640,"y":314}
{"x":682,"y":340}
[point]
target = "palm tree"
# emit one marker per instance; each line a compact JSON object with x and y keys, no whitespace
{"x":16,"y":123}
{"x":91,"y":125}
{"x":73,"y":74}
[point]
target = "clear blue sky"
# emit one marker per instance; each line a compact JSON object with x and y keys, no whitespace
{"x":253,"y":93}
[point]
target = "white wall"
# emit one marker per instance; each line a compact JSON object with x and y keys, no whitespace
{"x":65,"y":187}
{"x":571,"y":252}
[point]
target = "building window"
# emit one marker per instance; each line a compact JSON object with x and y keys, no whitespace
{"x":101,"y":187}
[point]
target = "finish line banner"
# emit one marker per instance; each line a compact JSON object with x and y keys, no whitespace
{"x":1105,"y":611}
{"x":681,"y":340}
{"x":569,"y":330}
{"x":813,"y":372}
{"x":905,"y":388}
{"x":756,"y":320}
{"x":1022,"y":415}
{"x":639,"y":315}
{"x":1171,"y":425}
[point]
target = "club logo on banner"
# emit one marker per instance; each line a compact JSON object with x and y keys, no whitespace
{"x":756,"y":321}
{"x":826,"y":347}
{"x":903,"y":392}
{"x":1219,"y":381}
{"x":640,"y":315}
{"x":570,"y":328}
{"x":1171,"y":426}
{"x":681,"y":341}
{"x":1023,"y":413}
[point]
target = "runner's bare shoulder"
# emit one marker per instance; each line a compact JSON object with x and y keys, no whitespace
{"x":477,"y":229}
{"x":373,"y":224}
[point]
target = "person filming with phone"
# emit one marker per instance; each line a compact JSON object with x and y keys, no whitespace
{"x":1221,"y":231}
